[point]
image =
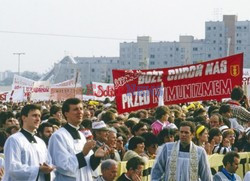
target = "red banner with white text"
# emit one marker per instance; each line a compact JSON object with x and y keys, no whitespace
{"x":210,"y":80}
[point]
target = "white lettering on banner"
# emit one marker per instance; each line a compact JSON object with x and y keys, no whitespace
{"x":195,"y":90}
{"x":185,"y":72}
{"x":216,"y":68}
{"x":138,"y":98}
{"x":150,"y":77}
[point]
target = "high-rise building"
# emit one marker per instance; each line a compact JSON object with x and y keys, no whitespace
{"x":222,"y":38}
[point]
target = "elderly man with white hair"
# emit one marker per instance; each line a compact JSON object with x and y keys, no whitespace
{"x":109,"y":169}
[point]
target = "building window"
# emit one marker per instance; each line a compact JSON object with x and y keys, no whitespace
{"x":209,"y":55}
{"x":171,"y":55}
{"x":177,"y":49}
{"x":152,"y":63}
{"x":214,"y":28}
{"x":165,"y":62}
{"x":220,"y":35}
{"x":214,"y":41}
{"x":208,"y":28}
{"x":92,"y":70}
{"x":238,"y":41}
{"x":220,"y":48}
{"x":195,"y":49}
{"x":152,"y":56}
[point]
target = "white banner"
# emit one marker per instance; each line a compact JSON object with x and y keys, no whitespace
{"x":103,"y":90}
{"x":21,"y":89}
{"x":67,"y":83}
{"x":22,"y":82}
{"x":246,"y":82}
{"x":40,"y":91}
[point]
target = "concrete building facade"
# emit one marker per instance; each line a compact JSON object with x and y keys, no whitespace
{"x":89,"y":69}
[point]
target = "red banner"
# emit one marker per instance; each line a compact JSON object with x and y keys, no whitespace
{"x":210,"y":80}
{"x":3,"y":96}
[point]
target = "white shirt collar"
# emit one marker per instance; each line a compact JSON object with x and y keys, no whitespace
{"x":74,"y":126}
{"x":32,"y":133}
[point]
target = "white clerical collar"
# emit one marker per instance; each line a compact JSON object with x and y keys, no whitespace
{"x":76,"y":127}
{"x":127,"y":176}
{"x":32,"y":133}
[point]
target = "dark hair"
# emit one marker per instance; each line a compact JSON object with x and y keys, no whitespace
{"x":97,"y":112}
{"x":219,"y":117}
{"x":161,"y":111}
{"x":29,"y":107}
{"x":124,"y":130}
{"x":199,"y":119}
{"x":54,"y":109}
{"x":4,"y":116}
{"x":45,"y":116}
{"x":150,"y":139}
{"x":199,"y":111}
{"x":212,"y":133}
{"x":133,"y":163}
{"x":54,"y":121}
{"x":237,"y":93}
{"x":130,"y":124}
{"x":10,"y":128}
{"x":229,"y":158}
{"x":189,"y":124}
{"x":137,"y":127}
{"x":87,"y":123}
{"x":132,"y":144}
{"x":165,"y":132}
{"x":177,"y":122}
{"x":138,"y":114}
{"x":224,"y":108}
{"x":132,"y":115}
{"x":26,"y":109}
{"x":67,"y":103}
{"x":108,"y":116}
{"x":211,"y":109}
{"x":147,"y":121}
{"x":3,"y":137}
{"x":43,"y":126}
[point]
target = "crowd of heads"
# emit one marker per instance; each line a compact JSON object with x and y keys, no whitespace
{"x":208,"y":124}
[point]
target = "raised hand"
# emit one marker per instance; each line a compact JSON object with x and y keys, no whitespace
{"x":102,"y":151}
{"x":135,"y":177}
{"x":90,"y":144}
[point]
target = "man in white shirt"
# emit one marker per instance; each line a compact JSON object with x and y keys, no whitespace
{"x":71,"y":153}
{"x":26,"y":155}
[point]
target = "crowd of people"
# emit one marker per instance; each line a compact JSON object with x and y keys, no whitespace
{"x":71,"y":140}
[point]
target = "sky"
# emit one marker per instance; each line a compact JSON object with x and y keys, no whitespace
{"x":48,"y":30}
